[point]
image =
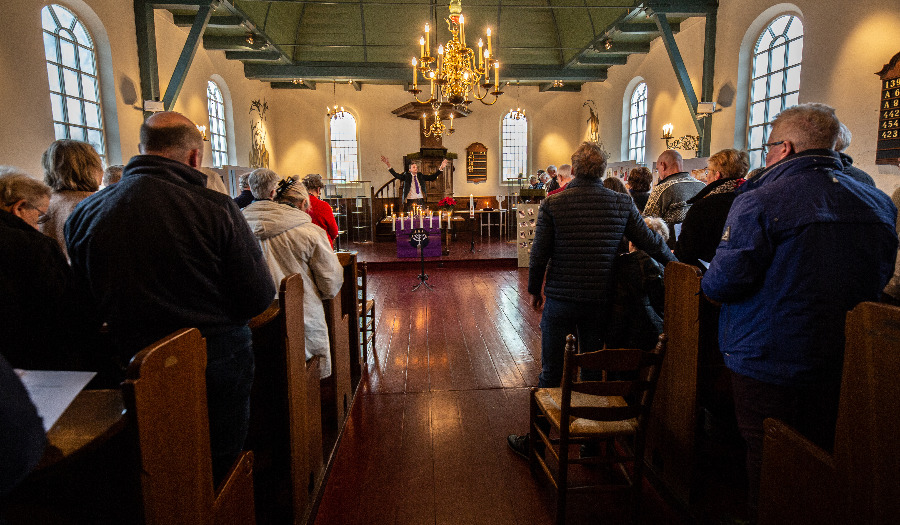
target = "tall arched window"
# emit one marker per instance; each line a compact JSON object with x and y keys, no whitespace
{"x":514,"y":150}
{"x":637,"y":123}
{"x":775,"y":80}
{"x":218,"y":137}
{"x":344,"y":147}
{"x":74,"y":84}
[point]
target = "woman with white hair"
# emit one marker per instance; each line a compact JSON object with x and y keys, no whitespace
{"x":291,"y":244}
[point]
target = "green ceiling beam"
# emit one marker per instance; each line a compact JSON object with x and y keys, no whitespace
{"x":645,"y":28}
{"x":684,"y":80}
{"x":214,"y":21}
{"x":145,"y":32}
{"x":306,"y":84}
{"x":604,"y":60}
{"x":706,"y":90}
{"x":400,"y":73}
{"x":622,"y":48}
{"x":221,"y":43}
{"x":682,"y":8}
{"x":187,"y":54}
{"x":265,"y":55}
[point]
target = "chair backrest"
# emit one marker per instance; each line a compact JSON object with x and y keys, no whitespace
{"x":362,"y":288}
{"x":165,"y":390}
{"x":629,"y":373}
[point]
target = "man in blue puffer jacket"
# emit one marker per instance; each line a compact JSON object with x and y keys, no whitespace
{"x":575,"y":245}
{"x":802,"y":245}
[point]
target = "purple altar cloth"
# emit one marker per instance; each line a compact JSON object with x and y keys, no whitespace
{"x":434,"y":240}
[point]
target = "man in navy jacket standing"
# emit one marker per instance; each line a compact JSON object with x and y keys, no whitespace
{"x":803,"y":244}
{"x":159,"y":251}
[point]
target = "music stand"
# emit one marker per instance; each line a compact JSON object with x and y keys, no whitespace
{"x":418,"y":238}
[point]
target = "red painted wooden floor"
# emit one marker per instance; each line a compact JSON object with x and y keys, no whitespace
{"x":448,"y":380}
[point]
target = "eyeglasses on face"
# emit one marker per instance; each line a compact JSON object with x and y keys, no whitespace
{"x":42,"y":214}
{"x":768,"y":145}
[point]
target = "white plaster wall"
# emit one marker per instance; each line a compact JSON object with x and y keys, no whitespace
{"x":557,"y":124}
{"x":843,"y":48}
{"x":841,"y":55}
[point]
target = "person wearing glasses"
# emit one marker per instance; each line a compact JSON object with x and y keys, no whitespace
{"x":39,"y":306}
{"x":802,"y":245}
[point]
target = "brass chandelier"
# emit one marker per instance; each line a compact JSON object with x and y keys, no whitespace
{"x":452,"y":75}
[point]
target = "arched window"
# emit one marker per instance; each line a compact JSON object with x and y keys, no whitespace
{"x":344,"y":147}
{"x":514,"y":140}
{"x":775,"y":79}
{"x":637,"y":123}
{"x":218,"y":137}
{"x":74,"y":83}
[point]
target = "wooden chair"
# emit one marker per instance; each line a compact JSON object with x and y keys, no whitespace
{"x":165,"y":391}
{"x":366,"y":311}
{"x":860,"y":481}
{"x":611,"y":412}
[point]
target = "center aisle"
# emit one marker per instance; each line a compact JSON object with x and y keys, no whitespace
{"x":425,"y":442}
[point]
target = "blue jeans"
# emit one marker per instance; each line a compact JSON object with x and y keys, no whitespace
{"x":561,"y":318}
{"x":229,"y":377}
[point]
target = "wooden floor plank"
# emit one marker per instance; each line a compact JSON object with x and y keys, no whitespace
{"x":445,"y":384}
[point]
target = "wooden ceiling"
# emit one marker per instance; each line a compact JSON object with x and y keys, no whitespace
{"x":362,"y":42}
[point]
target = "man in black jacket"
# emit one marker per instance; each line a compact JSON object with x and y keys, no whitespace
{"x":575,"y":245}
{"x":412,"y":191}
{"x":159,"y":252}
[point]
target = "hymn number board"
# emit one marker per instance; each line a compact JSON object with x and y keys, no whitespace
{"x":888,"y":151}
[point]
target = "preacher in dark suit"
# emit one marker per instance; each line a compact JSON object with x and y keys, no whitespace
{"x":413,"y":189}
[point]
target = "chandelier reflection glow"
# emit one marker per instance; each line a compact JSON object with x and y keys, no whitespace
{"x":452,"y":74}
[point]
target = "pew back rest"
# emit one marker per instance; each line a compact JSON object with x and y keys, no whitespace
{"x":165,"y":390}
{"x":867,"y":439}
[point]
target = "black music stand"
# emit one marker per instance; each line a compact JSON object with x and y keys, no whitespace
{"x":418,"y":238}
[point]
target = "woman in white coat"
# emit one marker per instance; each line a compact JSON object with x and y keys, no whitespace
{"x":291,"y":244}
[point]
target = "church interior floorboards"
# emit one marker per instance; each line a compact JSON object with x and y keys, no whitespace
{"x":448,"y":379}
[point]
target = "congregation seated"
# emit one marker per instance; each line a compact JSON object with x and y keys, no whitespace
{"x":73,"y":170}
{"x":291,"y":243}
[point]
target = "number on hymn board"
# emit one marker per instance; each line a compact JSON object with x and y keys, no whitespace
{"x":891,"y":83}
{"x":891,"y":114}
{"x":890,"y":134}
{"x":888,"y":104}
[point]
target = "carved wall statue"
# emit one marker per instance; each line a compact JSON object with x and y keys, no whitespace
{"x":259,"y":155}
{"x":593,"y":121}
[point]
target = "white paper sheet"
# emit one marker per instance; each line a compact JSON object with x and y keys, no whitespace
{"x":52,"y":391}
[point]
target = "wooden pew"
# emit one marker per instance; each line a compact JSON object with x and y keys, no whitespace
{"x":693,"y":387}
{"x":165,"y":391}
{"x":286,"y":425}
{"x":860,"y":481}
{"x":342,"y":319}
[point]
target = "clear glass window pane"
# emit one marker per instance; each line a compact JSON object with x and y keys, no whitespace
{"x":89,"y":88}
{"x":67,"y":53}
{"x":778,"y":54}
{"x":795,"y":52}
{"x":344,"y":147}
{"x":637,"y":123}
{"x":50,"y":50}
{"x":47,"y":21}
{"x":70,"y":82}
{"x":776,"y":84}
{"x":92,"y":114}
{"x":77,"y":80}
{"x":73,"y":111}
{"x":780,"y":24}
{"x":793,"y":79}
{"x":56,"y":104}
{"x":87,"y":61}
{"x":53,"y":77}
{"x":77,"y":133}
{"x":515,"y":147}
{"x":64,"y":16}
{"x":215,"y":104}
{"x":81,"y":35}
{"x":773,"y":87}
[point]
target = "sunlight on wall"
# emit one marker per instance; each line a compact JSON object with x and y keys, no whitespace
{"x":554,"y":147}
